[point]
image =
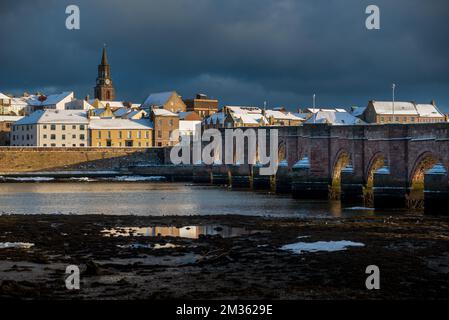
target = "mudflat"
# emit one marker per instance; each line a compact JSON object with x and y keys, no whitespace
{"x":222,"y":257}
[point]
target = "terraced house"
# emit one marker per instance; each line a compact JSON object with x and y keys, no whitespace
{"x":51,"y":128}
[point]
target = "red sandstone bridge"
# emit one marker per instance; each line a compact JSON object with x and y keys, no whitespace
{"x":393,"y":165}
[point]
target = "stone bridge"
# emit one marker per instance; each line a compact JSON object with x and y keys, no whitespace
{"x":393,"y":165}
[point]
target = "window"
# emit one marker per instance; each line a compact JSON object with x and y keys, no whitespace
{"x":81,"y":144}
{"x":44,"y":136}
{"x":53,"y":145}
{"x":119,"y":134}
{"x":53,"y":137}
{"x":63,"y":137}
{"x":170,"y":123}
{"x":139,"y":134}
{"x":45,"y":144}
{"x":147,"y":134}
{"x":99,"y":134}
{"x":82,"y":137}
{"x":82,"y":127}
{"x":73,"y":136}
{"x":159,"y":134}
{"x":74,"y":127}
{"x":129,"y":134}
{"x":45,"y":126}
{"x":53,"y":127}
{"x":140,"y":144}
{"x":99,"y":144}
{"x":63,"y":145}
{"x":63,"y":127}
{"x":160,"y":122}
{"x":109,"y":134}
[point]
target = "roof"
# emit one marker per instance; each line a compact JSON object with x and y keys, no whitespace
{"x":218,"y":117}
{"x":244,"y":109}
{"x":157,"y":99}
{"x":428,"y":110}
{"x":121,"y":124}
{"x":281,"y":115}
{"x":406,"y":108}
{"x":50,"y":100}
{"x":189,"y":115}
{"x":334,"y":118}
{"x":54,"y":116}
{"x":4,"y":96}
{"x":164,"y":113}
{"x":10,"y":118}
{"x":251,"y":118}
{"x":357,"y":112}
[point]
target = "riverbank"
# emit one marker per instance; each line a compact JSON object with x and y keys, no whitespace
{"x":222,"y":257}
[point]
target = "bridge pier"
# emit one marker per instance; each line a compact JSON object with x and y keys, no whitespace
{"x":351,"y":187}
{"x":306,"y":186}
{"x":260,"y":182}
{"x":219,"y":174}
{"x":240,"y":176}
{"x":436,"y":190}
{"x":201,"y":173}
{"x":389,"y":192}
{"x":283,"y":180}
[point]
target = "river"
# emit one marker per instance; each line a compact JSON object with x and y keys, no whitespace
{"x":157,"y":199}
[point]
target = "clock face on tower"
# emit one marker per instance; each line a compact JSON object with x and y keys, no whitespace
{"x":108,"y":81}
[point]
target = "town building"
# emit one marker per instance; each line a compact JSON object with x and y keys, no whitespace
{"x":51,"y":128}
{"x":170,"y":101}
{"x":189,"y":123}
{"x":121,"y":133}
{"x":104,"y":89}
{"x":401,"y":112}
{"x":202,"y":104}
{"x":165,"y":123}
{"x":6,"y":123}
{"x":238,"y":116}
{"x":53,"y":101}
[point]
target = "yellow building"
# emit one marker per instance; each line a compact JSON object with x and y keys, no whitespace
{"x":121,"y":133}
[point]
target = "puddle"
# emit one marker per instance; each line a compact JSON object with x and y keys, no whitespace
{"x":360,"y":208}
{"x":190,"y":232}
{"x":155,"y":246}
{"x":16,"y":245}
{"x":328,"y":246}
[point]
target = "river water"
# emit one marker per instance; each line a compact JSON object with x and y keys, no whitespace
{"x":156,"y":199}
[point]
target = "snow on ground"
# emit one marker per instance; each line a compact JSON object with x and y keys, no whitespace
{"x":328,"y":246}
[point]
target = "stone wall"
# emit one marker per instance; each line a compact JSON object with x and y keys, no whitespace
{"x":31,"y":159}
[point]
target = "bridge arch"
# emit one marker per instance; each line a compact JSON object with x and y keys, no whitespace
{"x":377,"y":161}
{"x":425,"y":161}
{"x":342,"y":159}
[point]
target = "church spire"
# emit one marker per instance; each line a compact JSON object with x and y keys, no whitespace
{"x":104,"y":57}
{"x":104,"y":90}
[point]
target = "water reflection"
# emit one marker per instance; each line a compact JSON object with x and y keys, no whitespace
{"x":157,"y":199}
{"x":190,"y":232}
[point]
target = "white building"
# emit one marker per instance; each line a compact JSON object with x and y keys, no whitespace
{"x":51,"y":128}
{"x":53,"y":101}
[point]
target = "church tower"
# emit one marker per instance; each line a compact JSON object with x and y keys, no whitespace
{"x":104,"y":90}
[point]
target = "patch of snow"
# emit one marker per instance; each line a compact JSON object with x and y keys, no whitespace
{"x":328,"y":246}
{"x":138,"y":178}
{"x":16,"y":245}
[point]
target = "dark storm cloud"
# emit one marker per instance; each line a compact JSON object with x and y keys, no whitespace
{"x":243,"y":52}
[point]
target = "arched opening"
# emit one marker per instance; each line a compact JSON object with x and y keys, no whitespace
{"x":342,"y":161}
{"x":377,"y":162}
{"x":415,"y":198}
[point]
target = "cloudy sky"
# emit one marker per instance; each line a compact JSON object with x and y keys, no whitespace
{"x":241,"y":51}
